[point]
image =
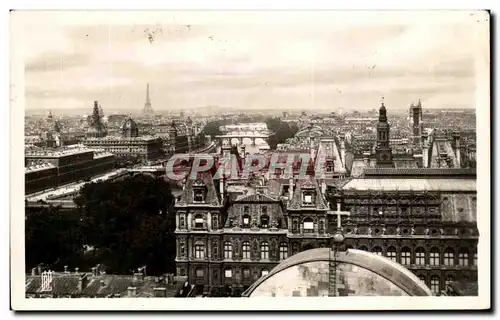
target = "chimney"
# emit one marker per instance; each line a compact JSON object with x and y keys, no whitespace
{"x":39,"y":268}
{"x":160,"y":292}
{"x":33,"y":271}
{"x":290,"y":189}
{"x":82,"y":282}
{"x":76,"y":270}
{"x":66,"y":269}
{"x":342,"y":150}
{"x":94,"y":272}
{"x":131,"y":292}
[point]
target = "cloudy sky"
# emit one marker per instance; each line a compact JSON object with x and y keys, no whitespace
{"x":266,"y":61}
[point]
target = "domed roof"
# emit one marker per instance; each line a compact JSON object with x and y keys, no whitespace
{"x":130,"y":128}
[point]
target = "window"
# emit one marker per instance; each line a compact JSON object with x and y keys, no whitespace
{"x":405,"y":256}
{"x":200,"y":273}
{"x":391,"y":253}
{"x":435,"y":284}
{"x":283,"y":251}
{"x":420,"y":257}
{"x":198,"y":221}
{"x":181,"y":223}
{"x":246,"y":209}
{"x":377,"y":250}
{"x":321,"y":226}
{"x":434,"y":257}
{"x":228,"y":250}
{"x":264,"y":221}
{"x":199,"y":251}
{"x":246,"y":221}
{"x":264,"y":250}
{"x":463,"y":258}
{"x":295,"y":226}
{"x":264,"y":209}
{"x":264,"y":272}
{"x":449,"y":257}
{"x":246,"y":273}
{"x":308,"y":225}
{"x":246,"y":250}
{"x":228,"y":273}
{"x":308,"y":198}
{"x":198,"y":195}
{"x":474,"y":261}
{"x":329,"y":166}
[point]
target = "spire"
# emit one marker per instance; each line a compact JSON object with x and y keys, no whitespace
{"x":95,"y":113}
{"x":147,"y":106}
{"x":382,"y":112}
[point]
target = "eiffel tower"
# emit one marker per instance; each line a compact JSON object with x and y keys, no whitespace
{"x":147,"y":106}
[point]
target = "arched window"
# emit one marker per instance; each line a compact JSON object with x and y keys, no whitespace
{"x":391,"y":253}
{"x":228,"y":250}
{"x":405,"y":256}
{"x":246,"y":250}
{"x":264,"y":221}
{"x":199,"y":250}
{"x":377,"y":250}
{"x":198,"y":221}
{"x":434,"y":257}
{"x":420,"y":256}
{"x":435,"y":285}
{"x":283,"y":251}
{"x":463,"y":258}
{"x":364,"y":248}
{"x":246,"y":221}
{"x":264,"y":250}
{"x":308,"y":225}
{"x":449,"y":257}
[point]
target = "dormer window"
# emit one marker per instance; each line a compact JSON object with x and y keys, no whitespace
{"x":278,"y":172}
{"x":284,"y":193}
{"x":329,"y":166}
{"x":308,"y":198}
{"x":264,"y":221}
{"x":246,"y":221}
{"x":198,"y":221}
{"x":199,"y":195}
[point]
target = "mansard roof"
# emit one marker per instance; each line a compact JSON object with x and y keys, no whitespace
{"x":301,"y":185}
{"x":212,"y":197}
{"x":256,"y":197}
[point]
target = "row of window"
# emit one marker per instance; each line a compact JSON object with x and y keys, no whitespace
{"x":421,"y":257}
{"x":199,"y":250}
{"x":228,"y":273}
{"x":435,"y":282}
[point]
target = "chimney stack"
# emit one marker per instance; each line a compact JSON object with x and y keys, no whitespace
{"x":94,"y":272}
{"x":66,"y":269}
{"x":138,"y":277}
{"x":33,"y":271}
{"x":132,"y":292}
{"x":76,"y":270}
{"x":82,"y":282}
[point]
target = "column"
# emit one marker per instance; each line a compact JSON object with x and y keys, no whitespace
{"x":176,"y":221}
{"x":189,"y":218}
{"x":190,"y":248}
{"x":209,"y":221}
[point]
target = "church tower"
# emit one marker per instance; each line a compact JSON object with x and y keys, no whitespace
{"x":147,"y":106}
{"x":383,"y":150}
{"x":416,"y":125}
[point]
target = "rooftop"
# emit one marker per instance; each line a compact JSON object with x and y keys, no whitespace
{"x":419,"y":172}
{"x":416,"y":184}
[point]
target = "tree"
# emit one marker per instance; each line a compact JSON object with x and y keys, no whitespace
{"x":281,"y":131}
{"x":53,"y":238}
{"x":130,"y":223}
{"x":212,"y":128}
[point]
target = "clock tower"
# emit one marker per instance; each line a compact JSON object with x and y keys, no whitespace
{"x":383,"y":149}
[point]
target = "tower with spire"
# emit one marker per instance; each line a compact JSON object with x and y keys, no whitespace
{"x":416,"y":125}
{"x":97,"y":128}
{"x":147,"y":106}
{"x":383,"y":150}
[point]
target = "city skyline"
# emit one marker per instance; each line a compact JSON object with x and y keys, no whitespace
{"x":319,"y":65}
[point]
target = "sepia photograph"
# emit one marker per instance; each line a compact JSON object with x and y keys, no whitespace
{"x":257,"y":160}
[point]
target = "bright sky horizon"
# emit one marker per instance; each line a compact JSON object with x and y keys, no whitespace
{"x":258,"y":60}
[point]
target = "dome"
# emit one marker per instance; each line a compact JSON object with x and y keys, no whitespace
{"x":130,"y":129}
{"x":358,"y":273}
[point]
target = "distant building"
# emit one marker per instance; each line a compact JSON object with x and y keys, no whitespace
{"x":416,"y":125}
{"x":50,"y":168}
{"x":96,"y":129}
{"x":147,"y":105}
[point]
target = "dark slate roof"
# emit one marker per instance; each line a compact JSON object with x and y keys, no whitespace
{"x":419,"y":172}
{"x":296,"y":202}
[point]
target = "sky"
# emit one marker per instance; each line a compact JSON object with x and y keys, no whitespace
{"x":268,"y":61}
